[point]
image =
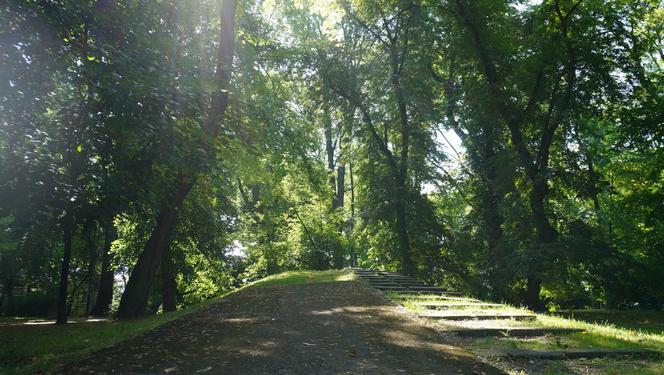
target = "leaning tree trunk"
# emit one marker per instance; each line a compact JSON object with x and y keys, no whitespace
{"x":168,"y":283}
{"x":134,"y":299}
{"x":105,"y":293}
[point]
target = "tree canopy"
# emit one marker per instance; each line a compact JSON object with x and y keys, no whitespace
{"x":153,"y":155}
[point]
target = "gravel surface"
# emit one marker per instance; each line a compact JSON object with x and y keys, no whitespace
{"x":324,"y":328}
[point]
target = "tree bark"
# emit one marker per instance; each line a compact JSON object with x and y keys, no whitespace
{"x":329,"y":152}
{"x":168,"y":282}
{"x":67,"y":235}
{"x":134,"y":299}
{"x":341,"y":186}
{"x":107,"y":278}
{"x":492,"y":217}
{"x":8,"y":293}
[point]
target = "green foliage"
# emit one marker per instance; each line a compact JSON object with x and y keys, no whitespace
{"x":333,"y":150}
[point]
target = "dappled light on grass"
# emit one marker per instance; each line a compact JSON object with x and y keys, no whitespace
{"x":304,"y":277}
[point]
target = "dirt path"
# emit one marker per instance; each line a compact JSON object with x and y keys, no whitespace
{"x":326,"y":328}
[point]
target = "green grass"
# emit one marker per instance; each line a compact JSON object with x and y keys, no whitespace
{"x":304,"y":277}
{"x":26,"y":349}
{"x":599,"y":333}
{"x":607,"y":366}
{"x":638,"y":320}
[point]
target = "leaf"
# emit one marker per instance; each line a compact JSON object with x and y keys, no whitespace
{"x":79,"y":148}
{"x":91,"y":58}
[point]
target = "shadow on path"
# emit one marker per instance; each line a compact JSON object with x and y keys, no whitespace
{"x":326,"y":328}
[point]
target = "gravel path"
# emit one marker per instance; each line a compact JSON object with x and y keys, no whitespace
{"x":325,"y":328}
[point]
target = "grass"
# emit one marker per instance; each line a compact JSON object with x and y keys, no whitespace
{"x":638,"y":320}
{"x":599,"y":333}
{"x":304,"y":277}
{"x":27,"y":348}
{"x":604,"y":366}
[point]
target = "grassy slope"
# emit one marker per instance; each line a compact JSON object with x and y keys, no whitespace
{"x":617,"y":330}
{"x":304,"y":277}
{"x":599,"y":334}
{"x":25,"y":349}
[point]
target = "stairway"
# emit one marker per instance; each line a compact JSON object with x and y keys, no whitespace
{"x":470,"y":319}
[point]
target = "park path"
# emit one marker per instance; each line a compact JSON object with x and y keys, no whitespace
{"x":320,"y":328}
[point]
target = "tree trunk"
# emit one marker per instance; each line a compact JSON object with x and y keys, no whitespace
{"x":67,"y":235}
{"x":8,"y":293}
{"x":168,"y":282}
{"x":402,"y":173}
{"x":402,"y":233}
{"x":91,"y":244}
{"x":329,"y":152}
{"x":341,"y":186}
{"x":135,"y":297}
{"x":546,"y":234}
{"x":107,"y":278}
{"x":492,"y":218}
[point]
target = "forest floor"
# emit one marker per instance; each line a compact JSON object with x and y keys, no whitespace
{"x":342,"y":327}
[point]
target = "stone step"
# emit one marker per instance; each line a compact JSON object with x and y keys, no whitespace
{"x":512,"y":332}
{"x":390,"y":288}
{"x":451,"y":306}
{"x":448,"y":316}
{"x":425,"y":293}
{"x":406,"y":279}
{"x":427,"y":289}
{"x":568,"y":353}
{"x":420,"y":297}
{"x":386,"y":285}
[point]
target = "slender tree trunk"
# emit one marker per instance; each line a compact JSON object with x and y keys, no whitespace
{"x":9,"y":294}
{"x":135,"y":297}
{"x":67,"y":235}
{"x":402,"y":172}
{"x":492,"y":218}
{"x":341,"y":185}
{"x":329,"y":152}
{"x":168,"y":282}
{"x":91,"y":244}
{"x":402,"y":233}
{"x":107,"y":278}
{"x":546,"y":234}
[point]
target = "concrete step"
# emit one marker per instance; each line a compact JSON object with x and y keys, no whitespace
{"x":451,"y":306}
{"x":420,"y":297}
{"x":404,"y":279}
{"x":494,"y":316}
{"x":512,"y":332}
{"x":387,"y":285}
{"x":427,"y":289}
{"x":568,"y":353}
{"x":424,"y":293}
{"x":390,"y":288}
